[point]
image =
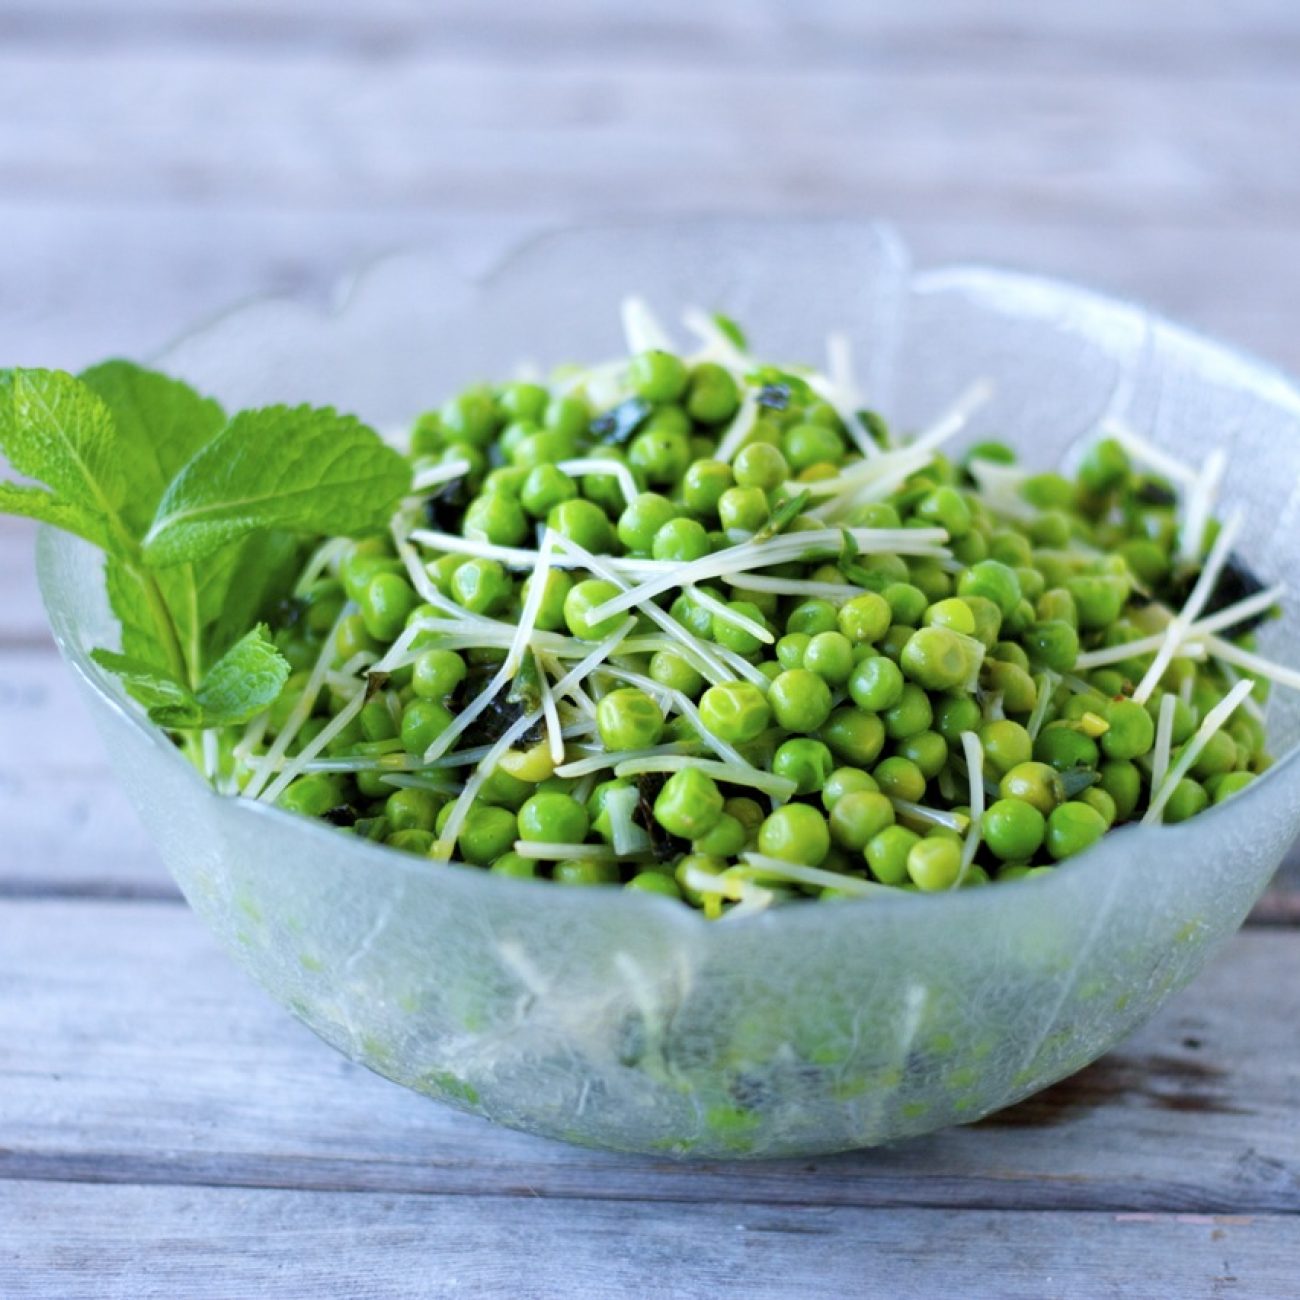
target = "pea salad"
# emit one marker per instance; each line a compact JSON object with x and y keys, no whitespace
{"x":686,"y":622}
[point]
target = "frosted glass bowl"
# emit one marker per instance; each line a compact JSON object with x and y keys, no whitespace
{"x":628,"y":1021}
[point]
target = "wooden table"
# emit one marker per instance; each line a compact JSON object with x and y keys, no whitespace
{"x":164,"y":1129}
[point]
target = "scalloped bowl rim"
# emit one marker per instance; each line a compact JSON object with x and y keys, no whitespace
{"x":1269,"y":381}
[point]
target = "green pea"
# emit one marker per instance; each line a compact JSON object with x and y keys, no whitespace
{"x":1131,"y":733}
{"x":907,"y":604}
{"x":504,"y":790}
{"x":811,"y":617}
{"x":352,"y":637}
{"x":748,"y":812}
{"x":853,"y":736}
{"x":522,"y":401}
{"x":657,"y":376}
{"x":313,"y":795}
{"x":553,"y":818}
{"x":858,"y":817}
{"x":544,"y":488}
{"x":845,"y":780}
{"x":1123,"y":782}
{"x":680,"y":541}
{"x":582,"y":599}
{"x":935,"y":658}
{"x":654,"y":882}
{"x":876,"y":684}
{"x":496,"y":518}
{"x":643,"y":517}
{"x":740,"y":639}
{"x":1064,"y":747}
{"x":987,"y":617}
{"x":796,"y":832}
{"x":954,"y":614}
{"x":583,"y":522}
{"x":743,"y":508}
{"x":994,"y":581}
{"x":1006,"y":744}
{"x":672,"y":670}
{"x":1013,"y":829}
{"x":792,"y":647}
{"x":1053,"y":644}
{"x":726,"y":839}
{"x":1104,"y":467}
{"x":1017,"y":688}
{"x":377,"y":720}
{"x":711,"y":395}
{"x":412,"y":810}
{"x":928,"y":750}
{"x":887,"y":853}
{"x":703,"y":485}
{"x":514,"y":864}
{"x":1057,"y":605}
{"x":629,"y":719}
{"x":947,"y":508}
{"x":912,"y":713}
{"x":934,"y":864}
{"x":865,"y":619}
{"x":423,"y":721}
{"x":692,"y":616}
{"x":1036,"y":784}
{"x":900,"y":778}
{"x":411,"y":840}
{"x":1219,"y":756}
{"x":800,"y":700}
{"x":585,"y":871}
{"x":689,"y":805}
{"x":760,"y":465}
{"x":736,"y":712}
{"x":1048,"y":491}
{"x":1073,"y":827}
{"x":830,"y":656}
{"x":470,"y":417}
{"x":1099,"y":599}
{"x":954,"y":714}
{"x":1097,"y":798}
{"x":1226,"y":784}
{"x":486,"y":834}
{"x":808,"y":763}
{"x":481,"y":586}
{"x":568,"y":415}
{"x":812,"y":444}
{"x":1011,"y":549}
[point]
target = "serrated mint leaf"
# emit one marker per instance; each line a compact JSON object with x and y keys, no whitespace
{"x":160,"y":423}
{"x":55,"y":430}
{"x":243,"y":682}
{"x":37,"y":503}
{"x":295,"y":469}
{"x":150,"y":685}
{"x":254,"y":575}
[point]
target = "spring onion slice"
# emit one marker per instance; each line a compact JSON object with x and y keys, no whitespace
{"x":1178,"y":627}
{"x":974,"y":751}
{"x":1214,"y":720}
{"x":767,"y":782}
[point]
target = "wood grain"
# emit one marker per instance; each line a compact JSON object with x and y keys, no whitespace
{"x":243,"y":1244}
{"x":131,"y":1051}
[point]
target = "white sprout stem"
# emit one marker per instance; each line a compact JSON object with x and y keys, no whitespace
{"x":603,"y":465}
{"x":1216,"y":622}
{"x":999,"y":487}
{"x":641,"y":328}
{"x":435,"y":474}
{"x":1253,"y":663}
{"x":661,"y":694}
{"x":1200,"y":501}
{"x":604,"y":761}
{"x":893,"y":470}
{"x":711,"y":665}
{"x":263,"y":767}
{"x":319,"y":560}
{"x":1147,"y":452}
{"x":792,"y":586}
{"x":315,"y":745}
{"x":518,"y":557}
{"x":742,"y":667}
{"x":955,"y":418}
{"x":1164,"y":743}
{"x":424,"y":585}
{"x":920,"y":812}
{"x":544,"y":850}
{"x":1178,"y":627}
{"x":974,"y":751}
{"x":446,"y":842}
{"x":724,"y":751}
{"x":741,"y":426}
{"x":554,"y":730}
{"x":767,"y":782}
{"x":772,"y":551}
{"x":1214,"y":720}
{"x":729,"y":615}
{"x":717,"y":345}
{"x":838,"y":390}
{"x":1250,"y":703}
{"x":799,"y":874}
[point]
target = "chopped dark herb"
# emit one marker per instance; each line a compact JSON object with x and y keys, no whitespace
{"x":344,"y":815}
{"x":288,"y":612}
{"x":617,"y":425}
{"x":445,"y":508}
{"x":371,"y":828}
{"x":505,"y":709}
{"x":774,"y":396}
{"x":375,"y":682}
{"x":663,"y":845}
{"x":1155,"y":492}
{"x":1077,"y":779}
{"x":796,"y":388}
{"x":1235,"y":583}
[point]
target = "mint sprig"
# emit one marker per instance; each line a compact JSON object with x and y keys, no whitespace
{"x":200,"y":516}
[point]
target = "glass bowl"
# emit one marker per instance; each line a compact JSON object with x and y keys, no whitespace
{"x":628,"y":1021}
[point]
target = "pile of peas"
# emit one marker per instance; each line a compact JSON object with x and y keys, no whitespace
{"x":865,"y":700}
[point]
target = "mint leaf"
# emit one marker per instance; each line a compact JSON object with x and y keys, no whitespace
{"x":298,"y":469}
{"x":243,"y":682}
{"x":37,"y":503}
{"x":145,"y":682}
{"x":160,"y":422}
{"x":55,"y":430}
{"x":245,"y":583}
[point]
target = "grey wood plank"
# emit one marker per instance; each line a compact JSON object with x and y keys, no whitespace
{"x":1197,"y":37}
{"x":318,"y":131}
{"x":128,"y":1243}
{"x":132,"y":1052}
